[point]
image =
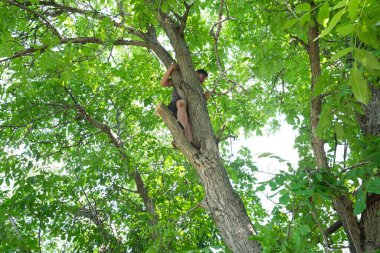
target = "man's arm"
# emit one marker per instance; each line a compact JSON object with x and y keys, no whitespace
{"x":165,"y":81}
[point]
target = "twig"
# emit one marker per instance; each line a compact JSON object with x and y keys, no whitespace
{"x":303,"y":43}
{"x":46,"y":22}
{"x":354,"y":166}
{"x":315,"y":217}
{"x":183,"y":19}
{"x":79,"y":40}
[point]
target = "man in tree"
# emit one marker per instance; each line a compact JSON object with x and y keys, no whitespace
{"x":178,"y":105}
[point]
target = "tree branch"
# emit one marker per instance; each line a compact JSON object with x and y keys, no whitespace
{"x":79,"y":40}
{"x":179,"y":138}
{"x":216,"y":36}
{"x":45,"y":21}
{"x":116,"y":140}
{"x":25,"y":52}
{"x":303,"y":43}
{"x":94,"y":14}
{"x":183,"y":19}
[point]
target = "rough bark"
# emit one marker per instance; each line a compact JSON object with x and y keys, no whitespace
{"x":370,"y":218}
{"x":370,"y":121}
{"x":221,"y":201}
{"x":370,"y":224}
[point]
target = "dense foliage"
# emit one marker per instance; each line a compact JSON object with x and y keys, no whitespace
{"x":83,"y":154}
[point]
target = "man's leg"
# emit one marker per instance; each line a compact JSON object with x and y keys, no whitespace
{"x":184,"y":119}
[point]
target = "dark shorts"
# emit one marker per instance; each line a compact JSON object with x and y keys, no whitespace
{"x":173,"y":108}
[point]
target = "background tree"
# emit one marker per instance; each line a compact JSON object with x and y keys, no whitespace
{"x":87,"y":165}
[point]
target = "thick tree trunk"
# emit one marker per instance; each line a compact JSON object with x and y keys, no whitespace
{"x":370,"y":218}
{"x":370,"y":121}
{"x":370,"y":224}
{"x":221,"y":201}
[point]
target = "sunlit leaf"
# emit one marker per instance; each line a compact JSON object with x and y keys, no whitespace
{"x":342,"y":53}
{"x":368,"y":36}
{"x":345,"y":30}
{"x":333,"y":23}
{"x":324,"y":14}
{"x":359,"y":86}
{"x":289,"y":23}
{"x":353,"y":9}
{"x":367,"y":59}
{"x":360,"y":203}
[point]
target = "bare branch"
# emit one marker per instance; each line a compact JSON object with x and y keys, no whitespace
{"x":79,"y":40}
{"x":354,"y":166}
{"x":333,"y":227}
{"x":183,"y":18}
{"x":303,"y":43}
{"x":141,"y":188}
{"x":216,"y":34}
{"x":103,"y":127}
{"x":218,"y":23}
{"x":25,"y":52}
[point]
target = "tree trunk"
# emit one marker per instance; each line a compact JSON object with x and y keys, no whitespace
{"x":221,"y":201}
{"x":370,"y":218}
{"x":370,"y":121}
{"x":342,"y":204}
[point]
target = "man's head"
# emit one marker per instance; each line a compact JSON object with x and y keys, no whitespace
{"x":202,"y":75}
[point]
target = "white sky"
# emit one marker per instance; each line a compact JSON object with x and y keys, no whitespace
{"x":279,"y":144}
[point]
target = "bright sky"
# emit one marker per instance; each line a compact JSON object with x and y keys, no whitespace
{"x":279,"y":144}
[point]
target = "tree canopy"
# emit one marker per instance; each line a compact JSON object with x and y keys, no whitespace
{"x":87,"y":162}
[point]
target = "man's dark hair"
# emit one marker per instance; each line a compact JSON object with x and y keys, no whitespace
{"x":202,"y":71}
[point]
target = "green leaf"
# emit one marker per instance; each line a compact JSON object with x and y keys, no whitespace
{"x":5,"y":50}
{"x":303,"y":7}
{"x":367,"y":59}
{"x":341,"y":4}
{"x":353,"y":9}
{"x":285,"y":198}
{"x":368,"y":36}
{"x":374,"y":185}
{"x":321,"y":84}
{"x":265,"y":154}
{"x":333,"y":23}
{"x":342,"y":53}
{"x":359,"y":86}
{"x":305,"y":18}
{"x":318,"y":176}
{"x":345,"y":30}
{"x":324,"y":120}
{"x":339,"y":131}
{"x":290,"y":23}
{"x":324,"y":14}
{"x":360,"y":203}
